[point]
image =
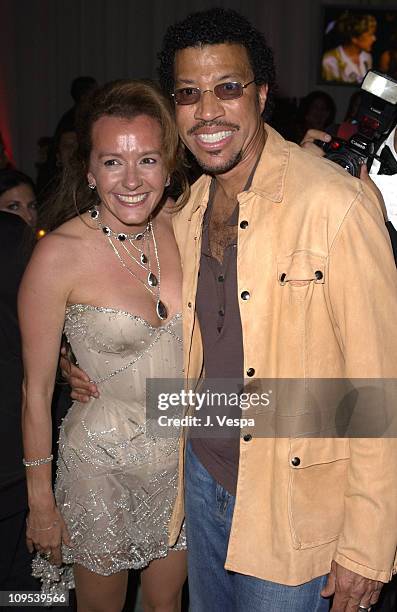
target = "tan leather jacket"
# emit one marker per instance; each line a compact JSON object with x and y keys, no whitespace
{"x":305,"y":215}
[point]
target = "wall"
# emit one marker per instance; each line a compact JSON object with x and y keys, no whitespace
{"x":44,"y":44}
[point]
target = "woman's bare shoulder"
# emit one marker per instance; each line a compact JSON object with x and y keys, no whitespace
{"x":78,"y":227}
{"x":63,"y":244}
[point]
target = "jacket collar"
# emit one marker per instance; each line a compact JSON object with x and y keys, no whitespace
{"x":269,"y":177}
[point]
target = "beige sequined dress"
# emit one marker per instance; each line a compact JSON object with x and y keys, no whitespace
{"x":116,"y":485}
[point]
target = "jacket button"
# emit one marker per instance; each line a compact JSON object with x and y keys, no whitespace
{"x":247,"y":437}
{"x":295,"y":461}
{"x":245,"y":295}
{"x":221,"y":278}
{"x":244,"y":224}
{"x":283,"y":276}
{"x":318,"y":274}
{"x":189,"y":304}
{"x":250,"y":372}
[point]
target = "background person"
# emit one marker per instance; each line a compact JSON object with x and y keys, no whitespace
{"x":15,"y":560}
{"x":316,"y":110}
{"x":351,"y":59}
{"x":382,"y":177}
{"x":17,"y":195}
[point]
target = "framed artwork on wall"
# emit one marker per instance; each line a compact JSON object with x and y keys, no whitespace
{"x":355,"y":40}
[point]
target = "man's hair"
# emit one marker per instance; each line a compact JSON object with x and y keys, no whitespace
{"x":214,"y":27}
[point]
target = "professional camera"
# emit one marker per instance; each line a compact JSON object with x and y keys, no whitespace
{"x":376,"y":117}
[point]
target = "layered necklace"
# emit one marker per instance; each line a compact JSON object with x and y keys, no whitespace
{"x":140,"y":256}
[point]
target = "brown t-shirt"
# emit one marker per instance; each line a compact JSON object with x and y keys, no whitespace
{"x":219,"y":317}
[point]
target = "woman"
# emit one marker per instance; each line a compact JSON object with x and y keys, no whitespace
{"x":17,"y":195}
{"x":350,"y":61}
{"x":316,"y":111}
{"x":110,"y":278}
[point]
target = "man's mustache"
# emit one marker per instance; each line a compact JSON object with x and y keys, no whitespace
{"x":201,"y":124}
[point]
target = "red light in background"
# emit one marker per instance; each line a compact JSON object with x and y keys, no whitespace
{"x":4,"y":126}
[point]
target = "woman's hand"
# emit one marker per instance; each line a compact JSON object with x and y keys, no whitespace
{"x":46,"y":532}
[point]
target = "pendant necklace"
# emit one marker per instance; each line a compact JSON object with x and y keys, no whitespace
{"x":142,"y":258}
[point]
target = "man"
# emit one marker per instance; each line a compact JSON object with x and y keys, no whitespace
{"x":383,"y":176}
{"x":273,"y":288}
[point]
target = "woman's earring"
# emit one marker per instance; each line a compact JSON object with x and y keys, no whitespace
{"x":168,"y":181}
{"x":91,"y":185}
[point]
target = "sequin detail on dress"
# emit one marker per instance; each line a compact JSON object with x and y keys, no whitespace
{"x":116,"y":484}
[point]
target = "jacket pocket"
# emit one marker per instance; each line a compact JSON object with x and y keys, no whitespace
{"x":300,"y":269}
{"x":318,"y":473}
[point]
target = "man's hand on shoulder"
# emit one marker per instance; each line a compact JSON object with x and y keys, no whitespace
{"x":309,"y":144}
{"x":350,"y":590}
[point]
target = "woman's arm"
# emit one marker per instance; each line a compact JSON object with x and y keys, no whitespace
{"x":41,"y":305}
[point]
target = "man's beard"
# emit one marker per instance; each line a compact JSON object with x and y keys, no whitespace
{"x":228,"y":165}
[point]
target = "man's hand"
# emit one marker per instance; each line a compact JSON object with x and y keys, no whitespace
{"x":309,"y":138}
{"x":350,"y":590}
{"x":82,"y":389}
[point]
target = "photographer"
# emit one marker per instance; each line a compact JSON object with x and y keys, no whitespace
{"x":385,"y":187}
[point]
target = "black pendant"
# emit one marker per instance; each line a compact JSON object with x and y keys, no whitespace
{"x":152,"y":280}
{"x":94,"y":214}
{"x":106,"y":230}
{"x":121,"y":237}
{"x":161,"y":310}
{"x":143,"y":258}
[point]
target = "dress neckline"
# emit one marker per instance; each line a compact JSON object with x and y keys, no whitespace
{"x":126,"y":313}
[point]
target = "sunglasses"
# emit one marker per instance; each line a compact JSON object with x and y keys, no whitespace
{"x":224,"y":91}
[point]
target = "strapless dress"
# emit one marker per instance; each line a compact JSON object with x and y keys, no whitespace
{"x":116,"y":484}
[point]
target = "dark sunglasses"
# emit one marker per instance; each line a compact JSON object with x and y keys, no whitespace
{"x":224,"y":91}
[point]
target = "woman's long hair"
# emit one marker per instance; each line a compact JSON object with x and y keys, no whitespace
{"x":126,"y":99}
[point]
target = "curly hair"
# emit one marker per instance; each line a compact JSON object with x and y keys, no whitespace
{"x":213,"y":27}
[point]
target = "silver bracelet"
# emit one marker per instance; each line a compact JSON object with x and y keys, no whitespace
{"x":55,"y":523}
{"x":35,"y":462}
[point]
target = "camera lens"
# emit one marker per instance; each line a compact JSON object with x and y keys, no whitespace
{"x":349,"y":162}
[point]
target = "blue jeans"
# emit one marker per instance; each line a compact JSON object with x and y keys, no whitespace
{"x":209,"y":512}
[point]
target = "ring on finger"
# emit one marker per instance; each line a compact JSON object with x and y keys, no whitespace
{"x":365,"y":608}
